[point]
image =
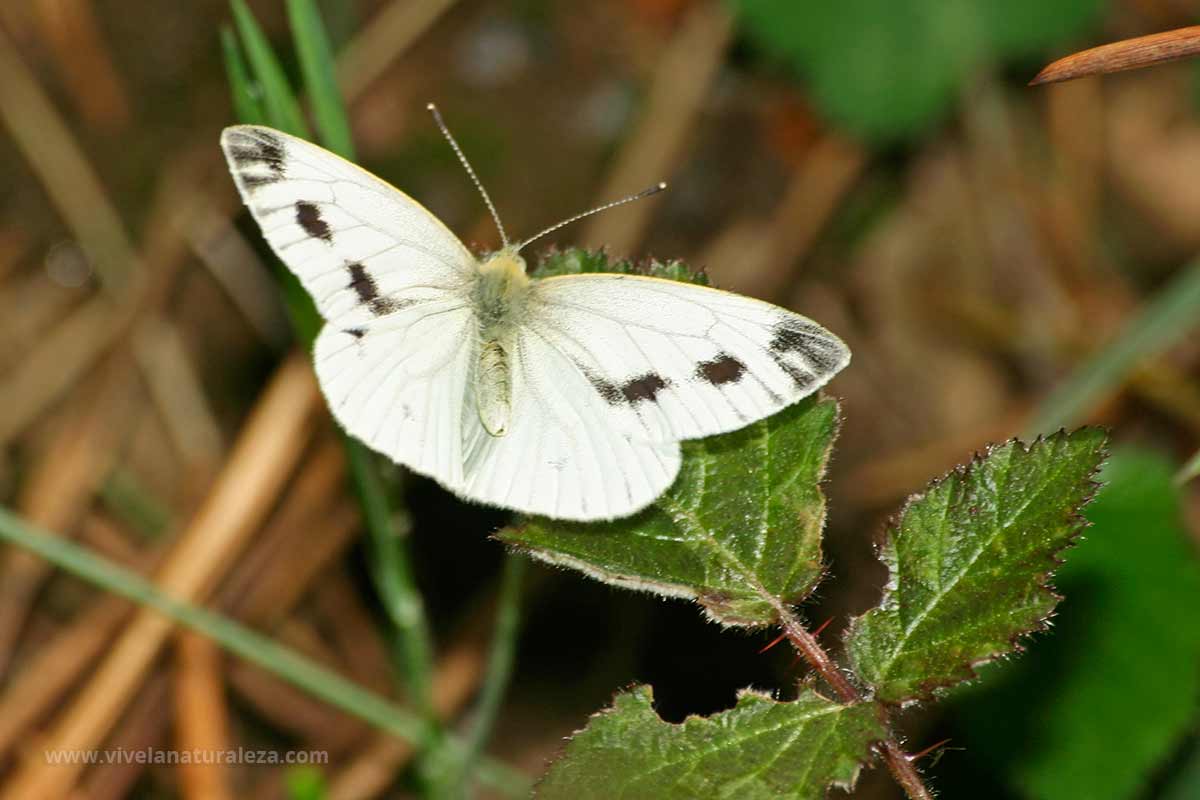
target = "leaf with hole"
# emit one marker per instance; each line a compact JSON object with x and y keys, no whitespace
{"x":760,"y":748}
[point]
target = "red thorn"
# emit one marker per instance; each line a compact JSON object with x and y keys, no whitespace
{"x":926,"y":751}
{"x":822,"y":627}
{"x":774,"y":642}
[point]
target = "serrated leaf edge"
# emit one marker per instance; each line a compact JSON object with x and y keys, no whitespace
{"x":1076,"y":522}
{"x":647,"y":691}
{"x":707,"y":601}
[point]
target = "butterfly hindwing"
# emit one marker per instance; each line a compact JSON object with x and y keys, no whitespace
{"x":398,"y":385}
{"x":561,"y":457}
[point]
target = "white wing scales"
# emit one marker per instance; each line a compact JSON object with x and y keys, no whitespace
{"x":355,"y":242}
{"x":560,"y":457}
{"x":675,"y":361}
{"x":608,"y":372}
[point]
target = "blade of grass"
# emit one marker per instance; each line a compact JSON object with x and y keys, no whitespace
{"x":1190,"y":470}
{"x":320,"y":77}
{"x":393,"y":576}
{"x":283,"y":111}
{"x":246,"y":96}
{"x":243,"y":642}
{"x":391,"y":565}
{"x":499,"y":667}
{"x":1164,"y":320}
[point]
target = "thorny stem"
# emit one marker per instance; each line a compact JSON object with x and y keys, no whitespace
{"x":898,"y":763}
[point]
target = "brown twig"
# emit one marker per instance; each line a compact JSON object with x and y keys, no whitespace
{"x":71,"y":29}
{"x":143,"y":726}
{"x":681,"y":81}
{"x":806,"y":644}
{"x":52,"y":151}
{"x":201,"y":723}
{"x":759,"y":256}
{"x":59,"y":490}
{"x":266,"y":452}
{"x":1144,"y":51}
{"x":389,"y":34}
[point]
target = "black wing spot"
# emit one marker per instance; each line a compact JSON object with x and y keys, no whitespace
{"x":308,"y":216}
{"x":368,"y":291}
{"x":357,"y":333}
{"x":608,"y":391}
{"x":722,"y":369}
{"x":643,"y":388}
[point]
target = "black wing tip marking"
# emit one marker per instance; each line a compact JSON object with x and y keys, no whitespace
{"x":308,"y":217}
{"x":641,"y":389}
{"x":261,"y":147}
{"x":722,"y":369}
{"x":820,"y":353}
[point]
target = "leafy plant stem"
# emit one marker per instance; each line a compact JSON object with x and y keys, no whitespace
{"x":898,"y":763}
{"x":394,"y":580}
{"x":245,"y":643}
{"x":500,"y":662}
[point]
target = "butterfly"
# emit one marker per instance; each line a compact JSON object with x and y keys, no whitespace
{"x":565,"y":397}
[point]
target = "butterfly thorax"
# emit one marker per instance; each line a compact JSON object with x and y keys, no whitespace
{"x":500,"y":296}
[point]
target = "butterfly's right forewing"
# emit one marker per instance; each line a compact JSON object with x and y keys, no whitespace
{"x":393,"y":283}
{"x":362,"y":248}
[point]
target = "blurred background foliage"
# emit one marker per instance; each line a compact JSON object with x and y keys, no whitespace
{"x":984,"y":248}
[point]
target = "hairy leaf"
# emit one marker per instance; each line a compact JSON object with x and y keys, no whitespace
{"x":760,"y":748}
{"x":1094,"y":710}
{"x":970,"y":562}
{"x":574,"y":261}
{"x":739,"y":530}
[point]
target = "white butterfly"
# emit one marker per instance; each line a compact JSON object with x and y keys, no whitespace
{"x":565,"y":397}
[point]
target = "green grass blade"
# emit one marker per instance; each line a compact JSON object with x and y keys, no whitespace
{"x":246,"y":104}
{"x":390,"y":563}
{"x":242,"y":642}
{"x":320,"y":77}
{"x":283,"y":112}
{"x":501,"y":659}
{"x":1190,"y":470}
{"x":1165,"y":320}
{"x":393,"y":578}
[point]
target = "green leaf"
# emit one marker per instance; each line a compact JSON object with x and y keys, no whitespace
{"x":574,"y":261}
{"x":760,"y":748}
{"x":247,"y":105}
{"x":887,"y":70}
{"x":969,"y":565}
{"x":283,"y":112}
{"x":1095,"y":709}
{"x":739,"y":531}
{"x":320,"y":77}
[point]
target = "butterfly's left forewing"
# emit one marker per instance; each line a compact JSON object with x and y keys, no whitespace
{"x":670,"y":361}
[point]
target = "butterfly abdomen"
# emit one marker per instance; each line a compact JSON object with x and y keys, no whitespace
{"x":493,"y":388}
{"x":500,"y":299}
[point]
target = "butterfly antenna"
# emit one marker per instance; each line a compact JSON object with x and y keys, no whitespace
{"x":655,"y":189}
{"x":437,"y":117}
